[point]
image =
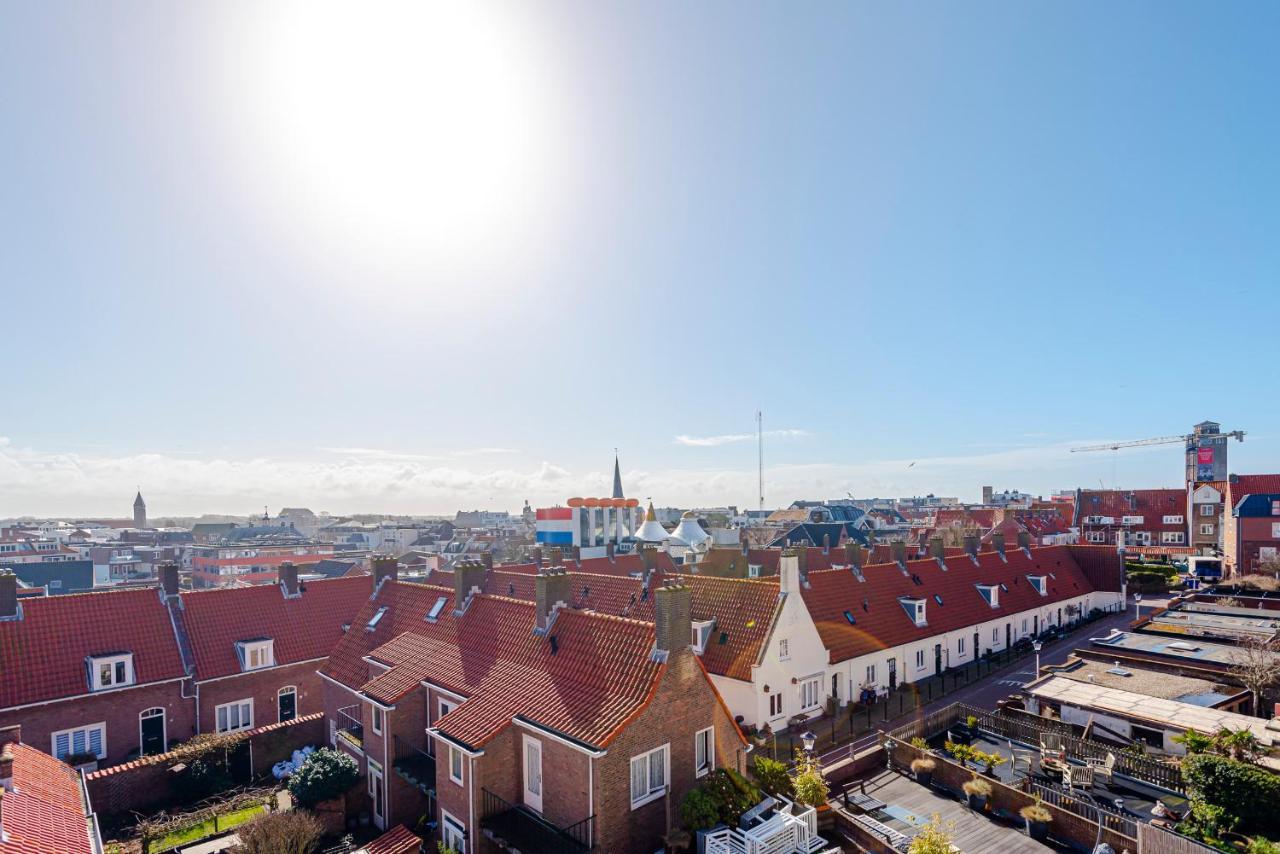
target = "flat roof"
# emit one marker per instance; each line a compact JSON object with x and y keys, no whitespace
{"x":1151,"y":682}
{"x":1215,"y":608}
{"x":1184,"y":649}
{"x":1236,"y":625}
{"x":1167,"y":714}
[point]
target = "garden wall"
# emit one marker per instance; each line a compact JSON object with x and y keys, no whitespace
{"x":146,"y":785}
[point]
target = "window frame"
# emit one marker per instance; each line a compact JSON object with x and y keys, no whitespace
{"x":708,"y":762}
{"x":97,"y":662}
{"x":919,"y":659}
{"x":375,"y":718}
{"x":263,"y":648}
{"x":784,"y":649}
{"x":217,"y":724}
{"x":812,"y":686}
{"x":453,"y":833}
{"x":652,"y":794}
{"x":100,"y":726}
{"x":702,"y":631}
{"x":462,"y":771}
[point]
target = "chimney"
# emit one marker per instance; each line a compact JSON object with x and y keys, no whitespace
{"x":746,"y":545}
{"x":650,"y":556}
{"x":898,"y":549}
{"x":385,"y":566}
{"x":486,"y":558}
{"x":853,"y":554}
{"x":468,"y":575}
{"x":971,"y":545}
{"x":10,"y":733}
{"x":169,"y":579}
{"x":672,"y":620}
{"x":8,"y":595}
{"x":287,"y":573}
{"x":577,"y":554}
{"x":936,"y":549}
{"x":826,"y":544}
{"x":987,"y":493}
{"x":1024,"y":540}
{"x":789,"y":571}
{"x":608,"y":551}
{"x":997,"y":540}
{"x":537,"y":556}
{"x":557,"y":557}
{"x":551,"y":588}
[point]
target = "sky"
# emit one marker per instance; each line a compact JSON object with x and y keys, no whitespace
{"x":416,"y":257}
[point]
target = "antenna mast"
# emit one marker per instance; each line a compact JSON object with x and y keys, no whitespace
{"x":760,"y":462}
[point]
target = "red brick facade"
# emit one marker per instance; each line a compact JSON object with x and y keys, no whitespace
{"x":263,"y":687}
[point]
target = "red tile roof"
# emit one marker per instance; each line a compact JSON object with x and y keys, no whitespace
{"x":1241,"y":485}
{"x":45,"y":812}
{"x":397,"y":840}
{"x":1151,"y":504}
{"x":881,"y":621}
{"x":42,"y":655}
{"x":303,"y":629}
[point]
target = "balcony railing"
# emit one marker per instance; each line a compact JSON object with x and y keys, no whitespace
{"x":519,"y":827}
{"x":416,"y":766}
{"x":351,"y":725}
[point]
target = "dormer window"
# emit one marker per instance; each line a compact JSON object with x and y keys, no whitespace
{"x":434,"y":613}
{"x":915,"y":610}
{"x":110,"y":671}
{"x":702,"y":634}
{"x":1039,"y":583}
{"x":256,"y":654}
{"x":991,"y":593}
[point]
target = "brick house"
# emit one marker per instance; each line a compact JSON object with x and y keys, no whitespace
{"x":1239,"y":487}
{"x":1206,"y":519}
{"x":255,"y":650}
{"x":506,"y":719}
{"x":92,"y":673}
{"x":43,"y":809}
{"x":1144,"y":517}
{"x":1253,"y":543}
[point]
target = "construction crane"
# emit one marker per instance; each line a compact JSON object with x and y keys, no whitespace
{"x":1238,"y":435}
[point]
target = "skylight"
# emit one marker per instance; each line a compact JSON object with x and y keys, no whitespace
{"x":433,"y":614}
{"x":375,"y":619}
{"x":937,"y":597}
{"x":1184,"y":646}
{"x":848,"y":615}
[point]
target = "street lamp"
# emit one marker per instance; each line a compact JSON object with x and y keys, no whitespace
{"x":1036,"y":645}
{"x":807,"y":738}
{"x":1137,"y":606}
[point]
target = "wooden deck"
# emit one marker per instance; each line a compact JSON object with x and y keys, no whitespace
{"x":974,"y":834}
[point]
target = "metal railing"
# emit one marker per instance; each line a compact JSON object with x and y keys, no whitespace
{"x":523,"y":827}
{"x":351,"y":724}
{"x":1089,"y":810}
{"x":415,"y":765}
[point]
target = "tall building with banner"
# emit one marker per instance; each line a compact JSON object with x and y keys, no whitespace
{"x":1206,"y":453}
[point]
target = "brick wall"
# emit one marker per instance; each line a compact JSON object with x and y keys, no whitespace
{"x":262,"y":687}
{"x":119,"y":710}
{"x":146,"y":785}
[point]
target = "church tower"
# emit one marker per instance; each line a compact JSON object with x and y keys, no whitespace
{"x":139,"y":512}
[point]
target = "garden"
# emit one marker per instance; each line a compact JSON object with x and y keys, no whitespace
{"x":1233,"y":800}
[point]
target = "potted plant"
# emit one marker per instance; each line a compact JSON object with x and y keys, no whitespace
{"x":763,"y":735}
{"x":82,"y":761}
{"x":992,"y":760}
{"x":1037,"y":817}
{"x":978,"y":791}
{"x":923,"y":769}
{"x":934,"y":838}
{"x":808,"y":783}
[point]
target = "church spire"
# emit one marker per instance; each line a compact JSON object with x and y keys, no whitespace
{"x":617,"y":478}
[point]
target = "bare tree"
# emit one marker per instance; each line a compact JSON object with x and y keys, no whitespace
{"x":1256,"y":664}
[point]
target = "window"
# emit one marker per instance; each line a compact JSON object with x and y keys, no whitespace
{"x":919,"y":658}
{"x":375,"y":619}
{"x":1024,"y":624}
{"x":753,"y":570}
{"x":1275,"y":530}
{"x":914,"y":609}
{"x":453,"y":833}
{"x":1095,"y":536}
{"x":784,"y":649}
{"x":375,"y":719}
{"x":809,"y":692}
{"x":1149,"y":737}
{"x":775,"y":704}
{"x":960,"y":646}
{"x":1207,"y":510}
{"x":995,"y":635}
{"x":110,"y":671}
{"x":1131,"y":520}
{"x":1039,"y":583}
{"x":234,"y":716}
{"x":871,"y":674}
{"x":1206,"y":530}
{"x":991,"y":593}
{"x":704,"y":751}
{"x":86,"y":740}
{"x":256,"y":654}
{"x":1172,"y":537}
{"x":434,"y":613}
{"x":648,"y":776}
{"x":1172,"y":520}
{"x":701,"y":634}
{"x":455,"y":765}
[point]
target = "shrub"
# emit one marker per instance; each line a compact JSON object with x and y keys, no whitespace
{"x":808,"y":783}
{"x":201,"y":780}
{"x":325,"y":775}
{"x":730,"y":794}
{"x":1037,"y":812}
{"x":294,"y":832}
{"x":933,"y":838}
{"x":924,"y":764}
{"x":977,"y":787}
{"x":1246,"y":790}
{"x":772,"y":775}
{"x":1194,"y":741}
{"x":1259,"y":845}
{"x":920,"y":743}
{"x":699,"y":810}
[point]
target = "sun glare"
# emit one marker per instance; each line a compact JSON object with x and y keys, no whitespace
{"x":419,"y":135}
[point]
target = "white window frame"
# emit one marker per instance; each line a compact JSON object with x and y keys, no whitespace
{"x":775,"y":699}
{"x":375,"y":718}
{"x":810,"y":694}
{"x":1172,"y":538}
{"x":238,"y":705}
{"x":453,"y":751}
{"x":919,"y":659}
{"x":991,"y":593}
{"x":1172,"y":520}
{"x":100,"y":726}
{"x":1208,"y":510}
{"x":702,"y":635}
{"x":1040,"y":584}
{"x":784,"y":649}
{"x":96,"y":663}
{"x":1096,"y":537}
{"x":753,"y":570}
{"x":704,"y":743}
{"x":960,"y":646}
{"x":453,"y":833}
{"x":871,"y":675}
{"x":653,"y":792}
{"x":1206,"y":530}
{"x":262,"y":650}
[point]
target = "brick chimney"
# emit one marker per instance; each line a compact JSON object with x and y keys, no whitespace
{"x":1024,"y":540}
{"x":577,"y":554}
{"x":898,"y":549}
{"x":936,"y":549}
{"x":854,"y":554}
{"x":557,"y":557}
{"x":649,"y":554}
{"x":608,"y":551}
{"x":287,"y":573}
{"x":551,"y":588}
{"x":997,"y":540}
{"x":385,"y":566}
{"x":802,"y":555}
{"x":467,"y":577}
{"x":537,"y":556}
{"x":169,"y":579}
{"x":789,"y":571}
{"x":672,"y":620}
{"x":486,"y":558}
{"x":971,"y":545}
{"x":8,"y":595}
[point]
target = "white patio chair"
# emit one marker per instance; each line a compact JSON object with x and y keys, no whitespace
{"x":1103,"y":768}
{"x":1078,"y":777}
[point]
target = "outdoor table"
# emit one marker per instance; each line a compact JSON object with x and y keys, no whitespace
{"x":1053,"y":768}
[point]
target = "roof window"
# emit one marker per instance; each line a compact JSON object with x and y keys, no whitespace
{"x":432,"y":615}
{"x":991,"y":593}
{"x":110,"y":671}
{"x":1039,"y":583}
{"x":256,"y":654}
{"x":375,"y":619}
{"x":914,"y":609}
{"x":848,"y":615}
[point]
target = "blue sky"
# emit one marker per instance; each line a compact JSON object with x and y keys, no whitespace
{"x":434,"y":258}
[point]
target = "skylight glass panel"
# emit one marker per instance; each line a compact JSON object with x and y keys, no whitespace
{"x":433,"y":614}
{"x":376,"y":618}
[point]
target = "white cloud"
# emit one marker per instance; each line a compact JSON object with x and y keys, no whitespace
{"x":730,"y":438}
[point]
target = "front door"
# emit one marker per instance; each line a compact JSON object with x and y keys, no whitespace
{"x":376,"y":794}
{"x":976,"y":649}
{"x":1008,"y":635}
{"x":937,"y":658}
{"x":1035,"y":624}
{"x":288,"y":704}
{"x":152,"y":724}
{"x":533,"y":773}
{"x":893,"y":673}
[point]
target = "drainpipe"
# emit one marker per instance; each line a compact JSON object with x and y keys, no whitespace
{"x":591,"y":800}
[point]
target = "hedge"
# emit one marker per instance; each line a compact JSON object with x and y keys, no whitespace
{"x":1241,"y":789}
